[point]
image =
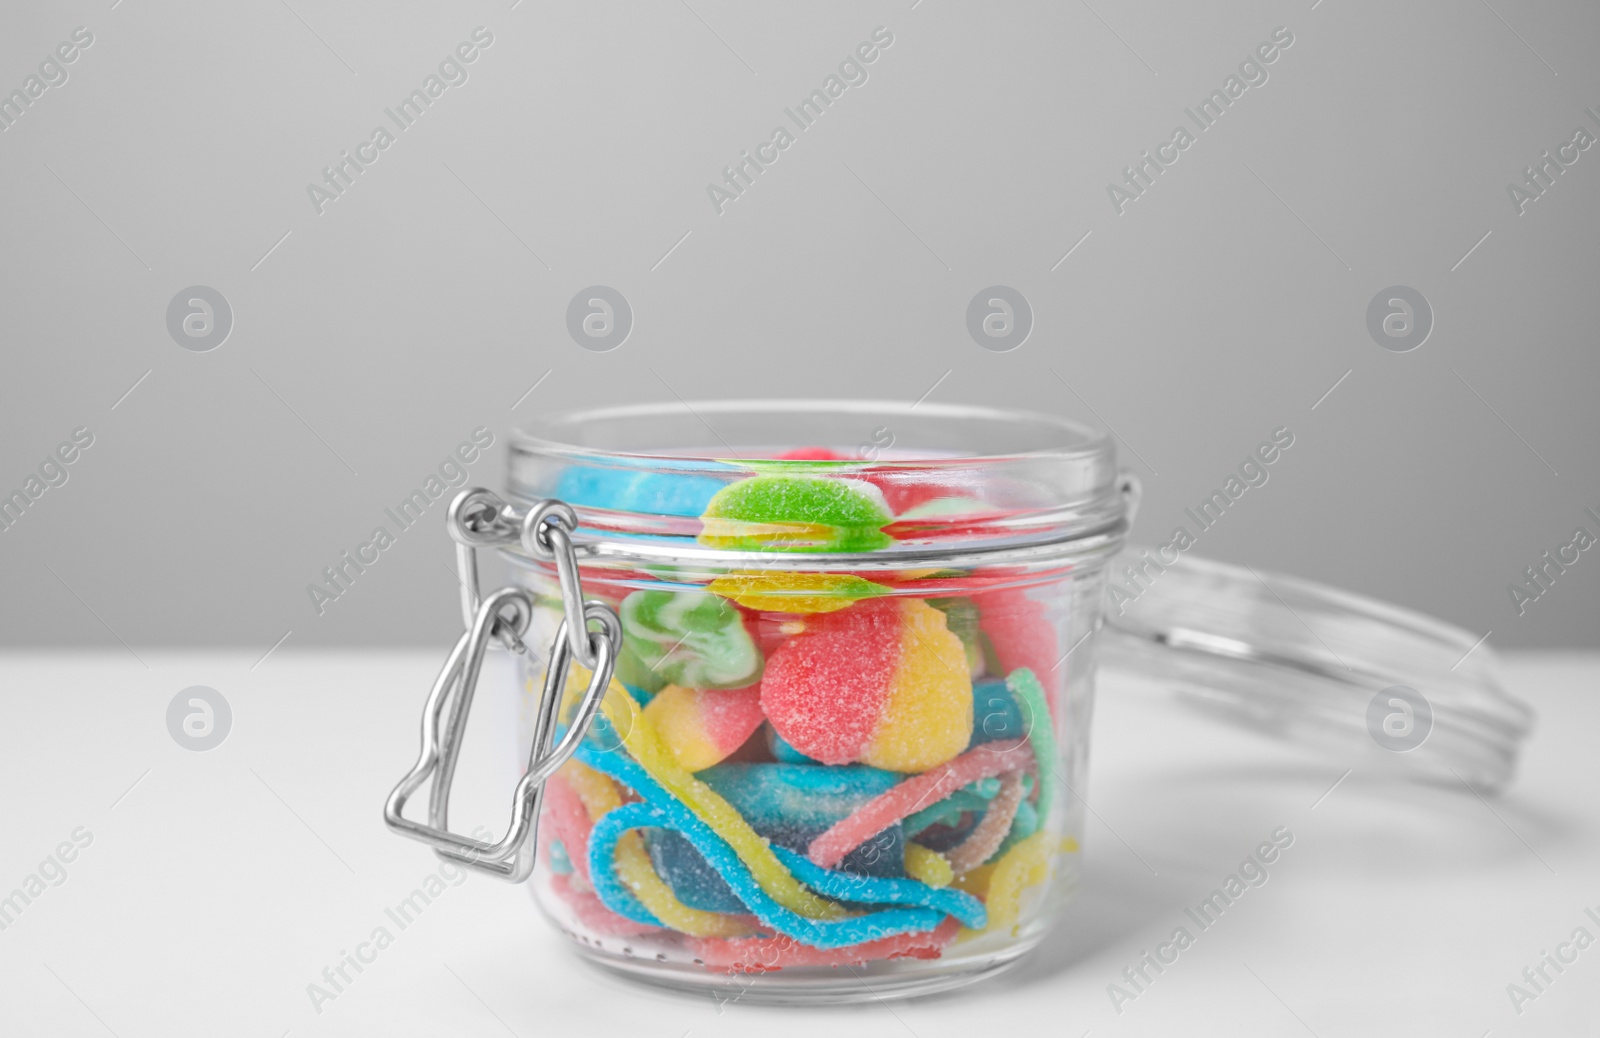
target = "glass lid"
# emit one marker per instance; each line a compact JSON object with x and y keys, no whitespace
{"x":1370,"y":683}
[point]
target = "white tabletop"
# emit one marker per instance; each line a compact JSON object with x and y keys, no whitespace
{"x":207,"y":890}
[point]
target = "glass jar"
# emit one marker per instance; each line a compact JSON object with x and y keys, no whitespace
{"x":822,"y":732}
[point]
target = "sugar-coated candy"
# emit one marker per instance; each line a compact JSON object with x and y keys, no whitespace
{"x":657,"y":493}
{"x":792,"y":804}
{"x":702,"y":726}
{"x":1020,"y":630}
{"x":928,"y":866}
{"x":884,"y":682}
{"x":992,"y":758}
{"x":1041,"y":733}
{"x":657,"y":811}
{"x":796,"y":512}
{"x":686,"y":638}
{"x":691,"y":877}
{"x":767,"y":954}
{"x":996,"y":714}
{"x":813,"y":454}
{"x":782,"y":752}
{"x":987,"y":836}
{"x":778,"y":592}
{"x":648,"y":765}
{"x":598,"y":796}
{"x":1025,"y":865}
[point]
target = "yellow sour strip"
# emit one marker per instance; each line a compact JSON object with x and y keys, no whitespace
{"x":634,"y":868}
{"x":928,"y":866}
{"x":642,"y":742}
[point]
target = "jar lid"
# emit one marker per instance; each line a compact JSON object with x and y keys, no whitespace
{"x":1374,"y":685}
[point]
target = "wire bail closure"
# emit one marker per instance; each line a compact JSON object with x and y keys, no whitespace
{"x":478,"y":518}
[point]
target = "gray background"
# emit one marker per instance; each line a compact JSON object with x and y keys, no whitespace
{"x":430,"y":297}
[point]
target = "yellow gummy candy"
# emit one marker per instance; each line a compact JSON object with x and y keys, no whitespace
{"x":927,"y":719}
{"x":1025,"y":865}
{"x":775,"y":592}
{"x":928,"y":866}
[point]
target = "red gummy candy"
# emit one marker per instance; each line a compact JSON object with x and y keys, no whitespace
{"x":812,"y":454}
{"x":824,"y":690}
{"x":767,"y":954}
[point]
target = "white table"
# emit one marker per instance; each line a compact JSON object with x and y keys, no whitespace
{"x":222,"y":883}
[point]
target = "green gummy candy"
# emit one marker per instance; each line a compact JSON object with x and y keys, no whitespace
{"x":688,"y":638}
{"x":825,"y":513}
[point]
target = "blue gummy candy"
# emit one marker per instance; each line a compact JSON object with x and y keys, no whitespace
{"x":842,"y":933}
{"x":785,"y":753}
{"x":793,"y":804}
{"x":658,"y":493}
{"x":996,"y":713}
{"x":559,"y":862}
{"x":691,"y":877}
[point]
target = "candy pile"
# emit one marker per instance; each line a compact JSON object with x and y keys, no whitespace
{"x":808,"y":769}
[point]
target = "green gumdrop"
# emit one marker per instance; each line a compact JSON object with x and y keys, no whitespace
{"x":688,"y":638}
{"x":853,"y":510}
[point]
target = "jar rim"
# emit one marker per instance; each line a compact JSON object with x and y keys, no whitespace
{"x":1086,"y":441}
{"x":960,"y":481}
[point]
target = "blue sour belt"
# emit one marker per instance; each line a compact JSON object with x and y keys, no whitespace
{"x":924,"y":907}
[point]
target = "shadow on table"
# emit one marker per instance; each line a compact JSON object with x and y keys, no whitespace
{"x":1161,"y":842}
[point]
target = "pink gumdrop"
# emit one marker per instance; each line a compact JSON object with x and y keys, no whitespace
{"x":701,"y":727}
{"x":730,"y":714}
{"x":812,"y":454}
{"x":1021,"y":631}
{"x":824,"y":690}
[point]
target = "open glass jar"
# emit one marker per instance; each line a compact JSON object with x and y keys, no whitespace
{"x":821,"y":732}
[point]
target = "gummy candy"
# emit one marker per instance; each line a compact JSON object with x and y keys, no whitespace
{"x":687,"y":638}
{"x":794,"y":592}
{"x":658,"y":493}
{"x":766,"y":954}
{"x":992,"y":758}
{"x":987,"y":836}
{"x":792,"y":512}
{"x":884,"y":682}
{"x":928,"y":866}
{"x":701,"y":727}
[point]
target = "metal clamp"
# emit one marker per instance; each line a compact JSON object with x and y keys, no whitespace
{"x":477,"y":518}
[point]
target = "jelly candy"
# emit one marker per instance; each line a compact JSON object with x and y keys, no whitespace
{"x":992,"y":758}
{"x":771,"y":591}
{"x":657,"y":493}
{"x":766,"y":954}
{"x":792,"y":804}
{"x":793,"y":512}
{"x":686,"y":638}
{"x":701,"y":727}
{"x":996,"y":714}
{"x":883,"y":682}
{"x":987,"y":836}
